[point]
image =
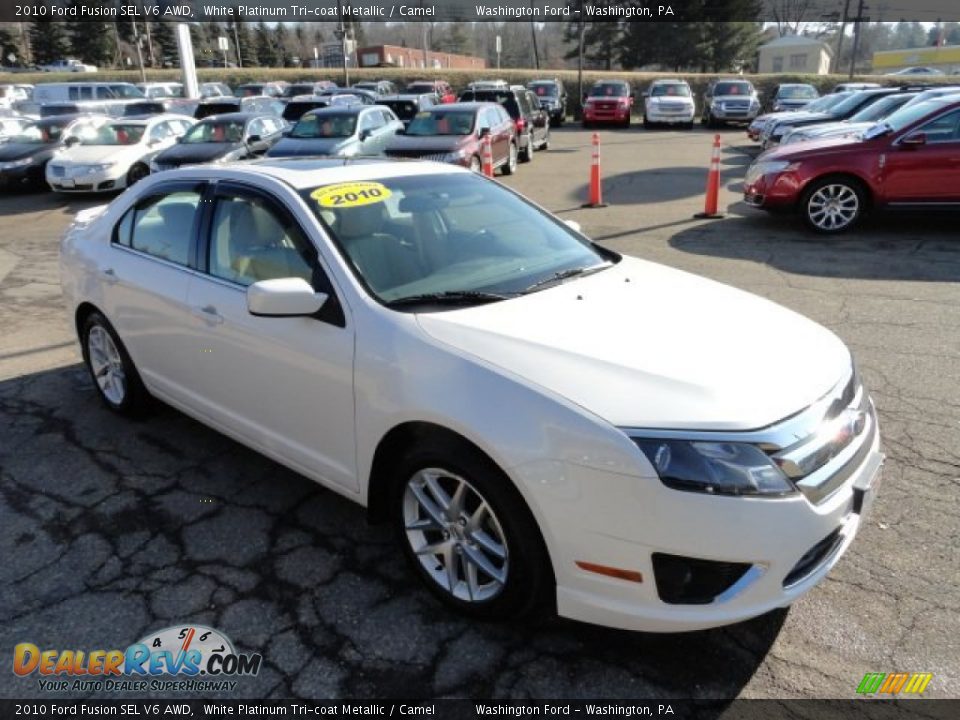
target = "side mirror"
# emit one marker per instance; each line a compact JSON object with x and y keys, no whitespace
{"x":401,"y":131}
{"x":364,"y":134}
{"x":71,"y":141}
{"x":484,"y":132}
{"x":283,"y":297}
{"x":573,"y":225}
{"x":914,"y":139}
{"x":254,"y":139}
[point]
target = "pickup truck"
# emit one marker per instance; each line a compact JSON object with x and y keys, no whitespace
{"x":68,"y":65}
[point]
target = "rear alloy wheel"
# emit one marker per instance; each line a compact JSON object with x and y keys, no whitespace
{"x":467,"y":533}
{"x":137,"y":173}
{"x":833,"y":205}
{"x":527,"y":155}
{"x":111,"y":368}
{"x":511,"y":165}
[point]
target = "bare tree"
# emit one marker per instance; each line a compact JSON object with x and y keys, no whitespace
{"x":790,"y":15}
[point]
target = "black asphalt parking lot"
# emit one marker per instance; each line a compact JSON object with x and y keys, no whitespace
{"x":111,"y":529}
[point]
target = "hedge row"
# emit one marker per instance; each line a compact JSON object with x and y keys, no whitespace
{"x":457,"y":78}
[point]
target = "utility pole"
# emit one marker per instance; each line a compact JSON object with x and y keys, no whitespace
{"x":856,"y":36}
{"x":580,"y":57}
{"x":341,"y":34}
{"x":236,"y":43}
{"x":843,"y":30}
{"x":533,"y":32}
{"x":136,"y":41}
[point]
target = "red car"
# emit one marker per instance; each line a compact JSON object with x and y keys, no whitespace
{"x":440,"y":88}
{"x":608,"y":102}
{"x":909,"y":160}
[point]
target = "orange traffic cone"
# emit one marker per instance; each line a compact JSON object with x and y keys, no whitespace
{"x":487,"y":157}
{"x":713,"y":185}
{"x":596,"y":193}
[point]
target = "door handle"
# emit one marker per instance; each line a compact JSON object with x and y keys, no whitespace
{"x":109,"y":276}
{"x":209,"y":314}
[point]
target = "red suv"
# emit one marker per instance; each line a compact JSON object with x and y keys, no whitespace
{"x":909,"y":160}
{"x":609,"y":102}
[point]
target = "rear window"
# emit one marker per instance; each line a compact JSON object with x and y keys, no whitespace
{"x":421,"y":88}
{"x":505,"y":98}
{"x":733,"y":88}
{"x":403,"y":109}
{"x":296,"y":110}
{"x":214,"y":109}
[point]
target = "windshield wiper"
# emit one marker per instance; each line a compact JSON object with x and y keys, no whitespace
{"x":566,"y":274}
{"x":450,"y":297}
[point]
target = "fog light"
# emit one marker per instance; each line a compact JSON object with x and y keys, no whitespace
{"x":692,"y":581}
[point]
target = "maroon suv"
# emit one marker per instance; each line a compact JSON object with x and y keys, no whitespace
{"x":909,"y":160}
{"x":454,"y":133}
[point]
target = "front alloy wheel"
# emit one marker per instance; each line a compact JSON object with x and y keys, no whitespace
{"x":455,"y":535}
{"x":833,"y":206}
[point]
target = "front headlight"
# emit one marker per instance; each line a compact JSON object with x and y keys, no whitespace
{"x":715,"y":468}
{"x":13,"y":164}
{"x":102,"y":167}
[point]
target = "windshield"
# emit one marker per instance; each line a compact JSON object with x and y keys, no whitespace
{"x":609,"y":90}
{"x":904,"y":117}
{"x":673,"y":90}
{"x":733,"y":88}
{"x":325,"y":126}
{"x":403,"y":109}
{"x":163,"y":91}
{"x":797,"y":92}
{"x":442,"y":123}
{"x":115,"y":134}
{"x":448,"y":233}
{"x":39,"y":134}
{"x":125,"y":91}
{"x":850,"y":104}
{"x":298,"y":89}
{"x":822,"y":104}
{"x":214,"y":132}
{"x":881,"y":108}
{"x":544,"y":90}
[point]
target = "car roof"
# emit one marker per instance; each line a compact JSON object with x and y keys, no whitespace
{"x":340,"y":110}
{"x":403,"y":96}
{"x":669,"y":81}
{"x":237,"y":116}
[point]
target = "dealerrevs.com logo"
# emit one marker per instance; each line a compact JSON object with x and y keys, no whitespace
{"x":187,"y":658}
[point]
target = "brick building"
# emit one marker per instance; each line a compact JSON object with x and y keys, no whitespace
{"x":406,"y":57}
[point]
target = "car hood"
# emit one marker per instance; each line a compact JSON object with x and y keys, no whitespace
{"x":292,"y":147}
{"x":836,"y":128}
{"x":18,"y":151}
{"x":100,"y":154}
{"x":183,"y":154}
{"x":803,"y":117}
{"x":426,"y":143}
{"x":644,"y":345}
{"x":727,"y":98}
{"x":817,"y":147}
{"x":671,"y":99}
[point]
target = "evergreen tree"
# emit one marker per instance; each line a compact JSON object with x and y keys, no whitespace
{"x":240,"y":34}
{"x":8,"y":46}
{"x":729,"y":46}
{"x":48,"y":41}
{"x":266,"y":50}
{"x":165,"y":44}
{"x":92,"y":42}
{"x":281,"y":43}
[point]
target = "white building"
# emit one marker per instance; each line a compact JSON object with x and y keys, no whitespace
{"x":795,"y":55}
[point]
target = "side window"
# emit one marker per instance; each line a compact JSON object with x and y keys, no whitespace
{"x":371,"y":121}
{"x":945,"y":128}
{"x":104,"y":93}
{"x":73,"y":93}
{"x":252,"y":240}
{"x":160,"y":131}
{"x":255,"y":128}
{"x":162,"y":225}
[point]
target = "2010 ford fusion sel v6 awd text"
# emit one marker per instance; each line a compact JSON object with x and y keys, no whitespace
{"x":541,"y":419}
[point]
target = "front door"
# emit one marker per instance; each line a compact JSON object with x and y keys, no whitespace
{"x":284,"y":383}
{"x":926,"y":173}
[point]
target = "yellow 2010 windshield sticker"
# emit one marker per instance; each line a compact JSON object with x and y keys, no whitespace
{"x":352,"y":194}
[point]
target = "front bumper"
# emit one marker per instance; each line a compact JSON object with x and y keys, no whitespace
{"x":20,"y":177}
{"x":82,"y":181}
{"x":776,"y":191}
{"x":734,"y":116}
{"x":619,"y":114}
{"x":625,"y":521}
{"x":683,"y":117}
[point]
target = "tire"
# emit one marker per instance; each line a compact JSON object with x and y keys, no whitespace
{"x":527,"y":155}
{"x":646,"y":123}
{"x":689,"y":125}
{"x":510,"y":167}
{"x":558,"y":121}
{"x":493,"y":531}
{"x":545,"y":145}
{"x":833,"y":205}
{"x":113,"y":373}
{"x":626,"y":123}
{"x":586,"y":125}
{"x":137,"y":173}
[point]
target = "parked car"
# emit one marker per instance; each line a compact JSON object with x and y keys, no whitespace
{"x":906,"y":161}
{"x":24,"y":157}
{"x":792,"y":96}
{"x":140,"y":108}
{"x":821,"y":104}
{"x":366,"y":96}
{"x":307,"y":88}
{"x":855,"y":86}
{"x":553,"y":98}
{"x":852,"y":126}
{"x":222,"y":138}
{"x":116,"y":156}
{"x":68,"y":65}
{"x":378,"y":87}
{"x":254,"y":104}
{"x":533,"y":128}
{"x":298,"y":106}
{"x":12,"y":125}
{"x":729,"y":101}
{"x":849,"y":107}
{"x":430,"y":344}
{"x":487,"y":85}
{"x":161,"y":90}
{"x":608,"y":102}
{"x":342,"y":131}
{"x":913,"y":71}
{"x":440,"y":88}
{"x":215,"y":89}
{"x":82,"y":91}
{"x":269,"y":89}
{"x":406,"y":106}
{"x":668,"y":102}
{"x":454,"y":133}
{"x":10,"y":95}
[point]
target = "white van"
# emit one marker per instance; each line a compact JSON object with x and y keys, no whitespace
{"x":75,"y":91}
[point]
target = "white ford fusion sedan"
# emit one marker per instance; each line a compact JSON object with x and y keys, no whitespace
{"x":541,"y":419}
